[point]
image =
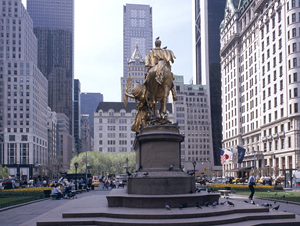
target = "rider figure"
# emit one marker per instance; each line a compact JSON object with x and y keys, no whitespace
{"x":152,"y":59}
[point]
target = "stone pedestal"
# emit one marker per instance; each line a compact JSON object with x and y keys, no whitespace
{"x":157,"y":148}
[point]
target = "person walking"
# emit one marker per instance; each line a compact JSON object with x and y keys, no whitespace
{"x":251,"y":183}
{"x":13,"y":182}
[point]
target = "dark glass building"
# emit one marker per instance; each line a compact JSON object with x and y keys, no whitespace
{"x":208,"y":17}
{"x":77,"y":120}
{"x":89,"y":104}
{"x":53,"y":23}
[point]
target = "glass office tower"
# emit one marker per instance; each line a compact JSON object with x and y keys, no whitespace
{"x":54,"y":28}
{"x":208,"y":17}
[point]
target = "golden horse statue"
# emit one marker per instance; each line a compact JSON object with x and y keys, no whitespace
{"x":156,"y":88}
{"x":158,"y":91}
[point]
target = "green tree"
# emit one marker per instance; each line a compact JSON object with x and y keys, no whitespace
{"x":110,"y":163}
{"x":4,"y":172}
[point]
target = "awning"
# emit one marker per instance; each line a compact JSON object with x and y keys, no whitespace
{"x":239,"y":169}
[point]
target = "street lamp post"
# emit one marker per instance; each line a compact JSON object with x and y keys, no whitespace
{"x":268,"y":169}
{"x":76,"y":165}
{"x":86,"y":158}
{"x":194,"y":164}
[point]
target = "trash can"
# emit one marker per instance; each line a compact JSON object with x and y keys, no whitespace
{"x":93,"y":187}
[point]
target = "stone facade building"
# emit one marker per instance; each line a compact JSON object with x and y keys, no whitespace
{"x":23,"y":95}
{"x":112,"y":126}
{"x":136,"y":69}
{"x":54,"y":157}
{"x":66,"y":150}
{"x":260,"y":84}
{"x":191,"y":112}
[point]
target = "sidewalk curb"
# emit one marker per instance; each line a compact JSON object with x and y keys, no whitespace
{"x":274,"y":200}
{"x":22,"y":204}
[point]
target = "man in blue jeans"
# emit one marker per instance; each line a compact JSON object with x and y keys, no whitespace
{"x":251,"y":183}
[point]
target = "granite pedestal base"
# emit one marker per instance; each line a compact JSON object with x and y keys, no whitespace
{"x":120,"y":198}
{"x":157,"y":184}
{"x":158,"y":163}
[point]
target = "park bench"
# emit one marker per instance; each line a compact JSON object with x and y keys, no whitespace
{"x":83,"y":190}
{"x":224,"y":192}
{"x":288,"y":189}
{"x":53,"y":196}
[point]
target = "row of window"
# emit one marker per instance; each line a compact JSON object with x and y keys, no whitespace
{"x":113,"y":149}
{"x":293,"y":4}
{"x":276,"y":145}
{"x":111,"y":113}
{"x":196,"y":152}
{"x":121,"y":135}
{"x":195,"y":159}
{"x":15,"y":130}
{"x":113,"y":128}
{"x":121,"y":121}
{"x":21,"y":101}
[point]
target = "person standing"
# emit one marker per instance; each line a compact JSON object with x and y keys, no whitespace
{"x":13,"y":183}
{"x":251,"y":184}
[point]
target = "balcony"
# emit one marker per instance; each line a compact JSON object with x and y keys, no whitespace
{"x":269,"y":137}
{"x":275,"y":136}
{"x":264,"y":139}
{"x":281,"y":134}
{"x":259,"y":5}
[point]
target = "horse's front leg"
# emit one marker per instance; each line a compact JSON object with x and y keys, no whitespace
{"x":155,"y":109}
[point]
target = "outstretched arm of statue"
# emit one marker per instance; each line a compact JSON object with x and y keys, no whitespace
{"x":129,"y":95}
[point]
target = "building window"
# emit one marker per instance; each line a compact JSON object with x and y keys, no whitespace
{"x":294,"y":32}
{"x":282,"y":143}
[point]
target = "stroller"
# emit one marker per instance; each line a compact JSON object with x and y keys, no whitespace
{"x":69,"y":193}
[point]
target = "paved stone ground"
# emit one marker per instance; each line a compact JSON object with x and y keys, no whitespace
{"x":31,"y":213}
{"x":19,"y":215}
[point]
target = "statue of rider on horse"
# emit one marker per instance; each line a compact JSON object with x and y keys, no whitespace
{"x":158,"y":83}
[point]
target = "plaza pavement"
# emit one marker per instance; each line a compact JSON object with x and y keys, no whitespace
{"x":24,"y":213}
{"x":28,"y":215}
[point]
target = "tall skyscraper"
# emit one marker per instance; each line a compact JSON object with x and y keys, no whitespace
{"x":89,"y":104}
{"x":23,"y":95}
{"x":137,"y":30}
{"x":260,"y":85}
{"x":208,"y":16}
{"x":77,"y":107}
{"x":54,"y":28}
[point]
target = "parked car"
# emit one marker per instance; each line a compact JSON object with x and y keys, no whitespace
{"x":235,"y":180}
{"x":95,"y":183}
{"x":240,"y":180}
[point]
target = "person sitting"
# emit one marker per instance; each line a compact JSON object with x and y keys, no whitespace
{"x":57,"y":191}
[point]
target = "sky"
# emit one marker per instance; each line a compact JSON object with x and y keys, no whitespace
{"x":98,"y":54}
